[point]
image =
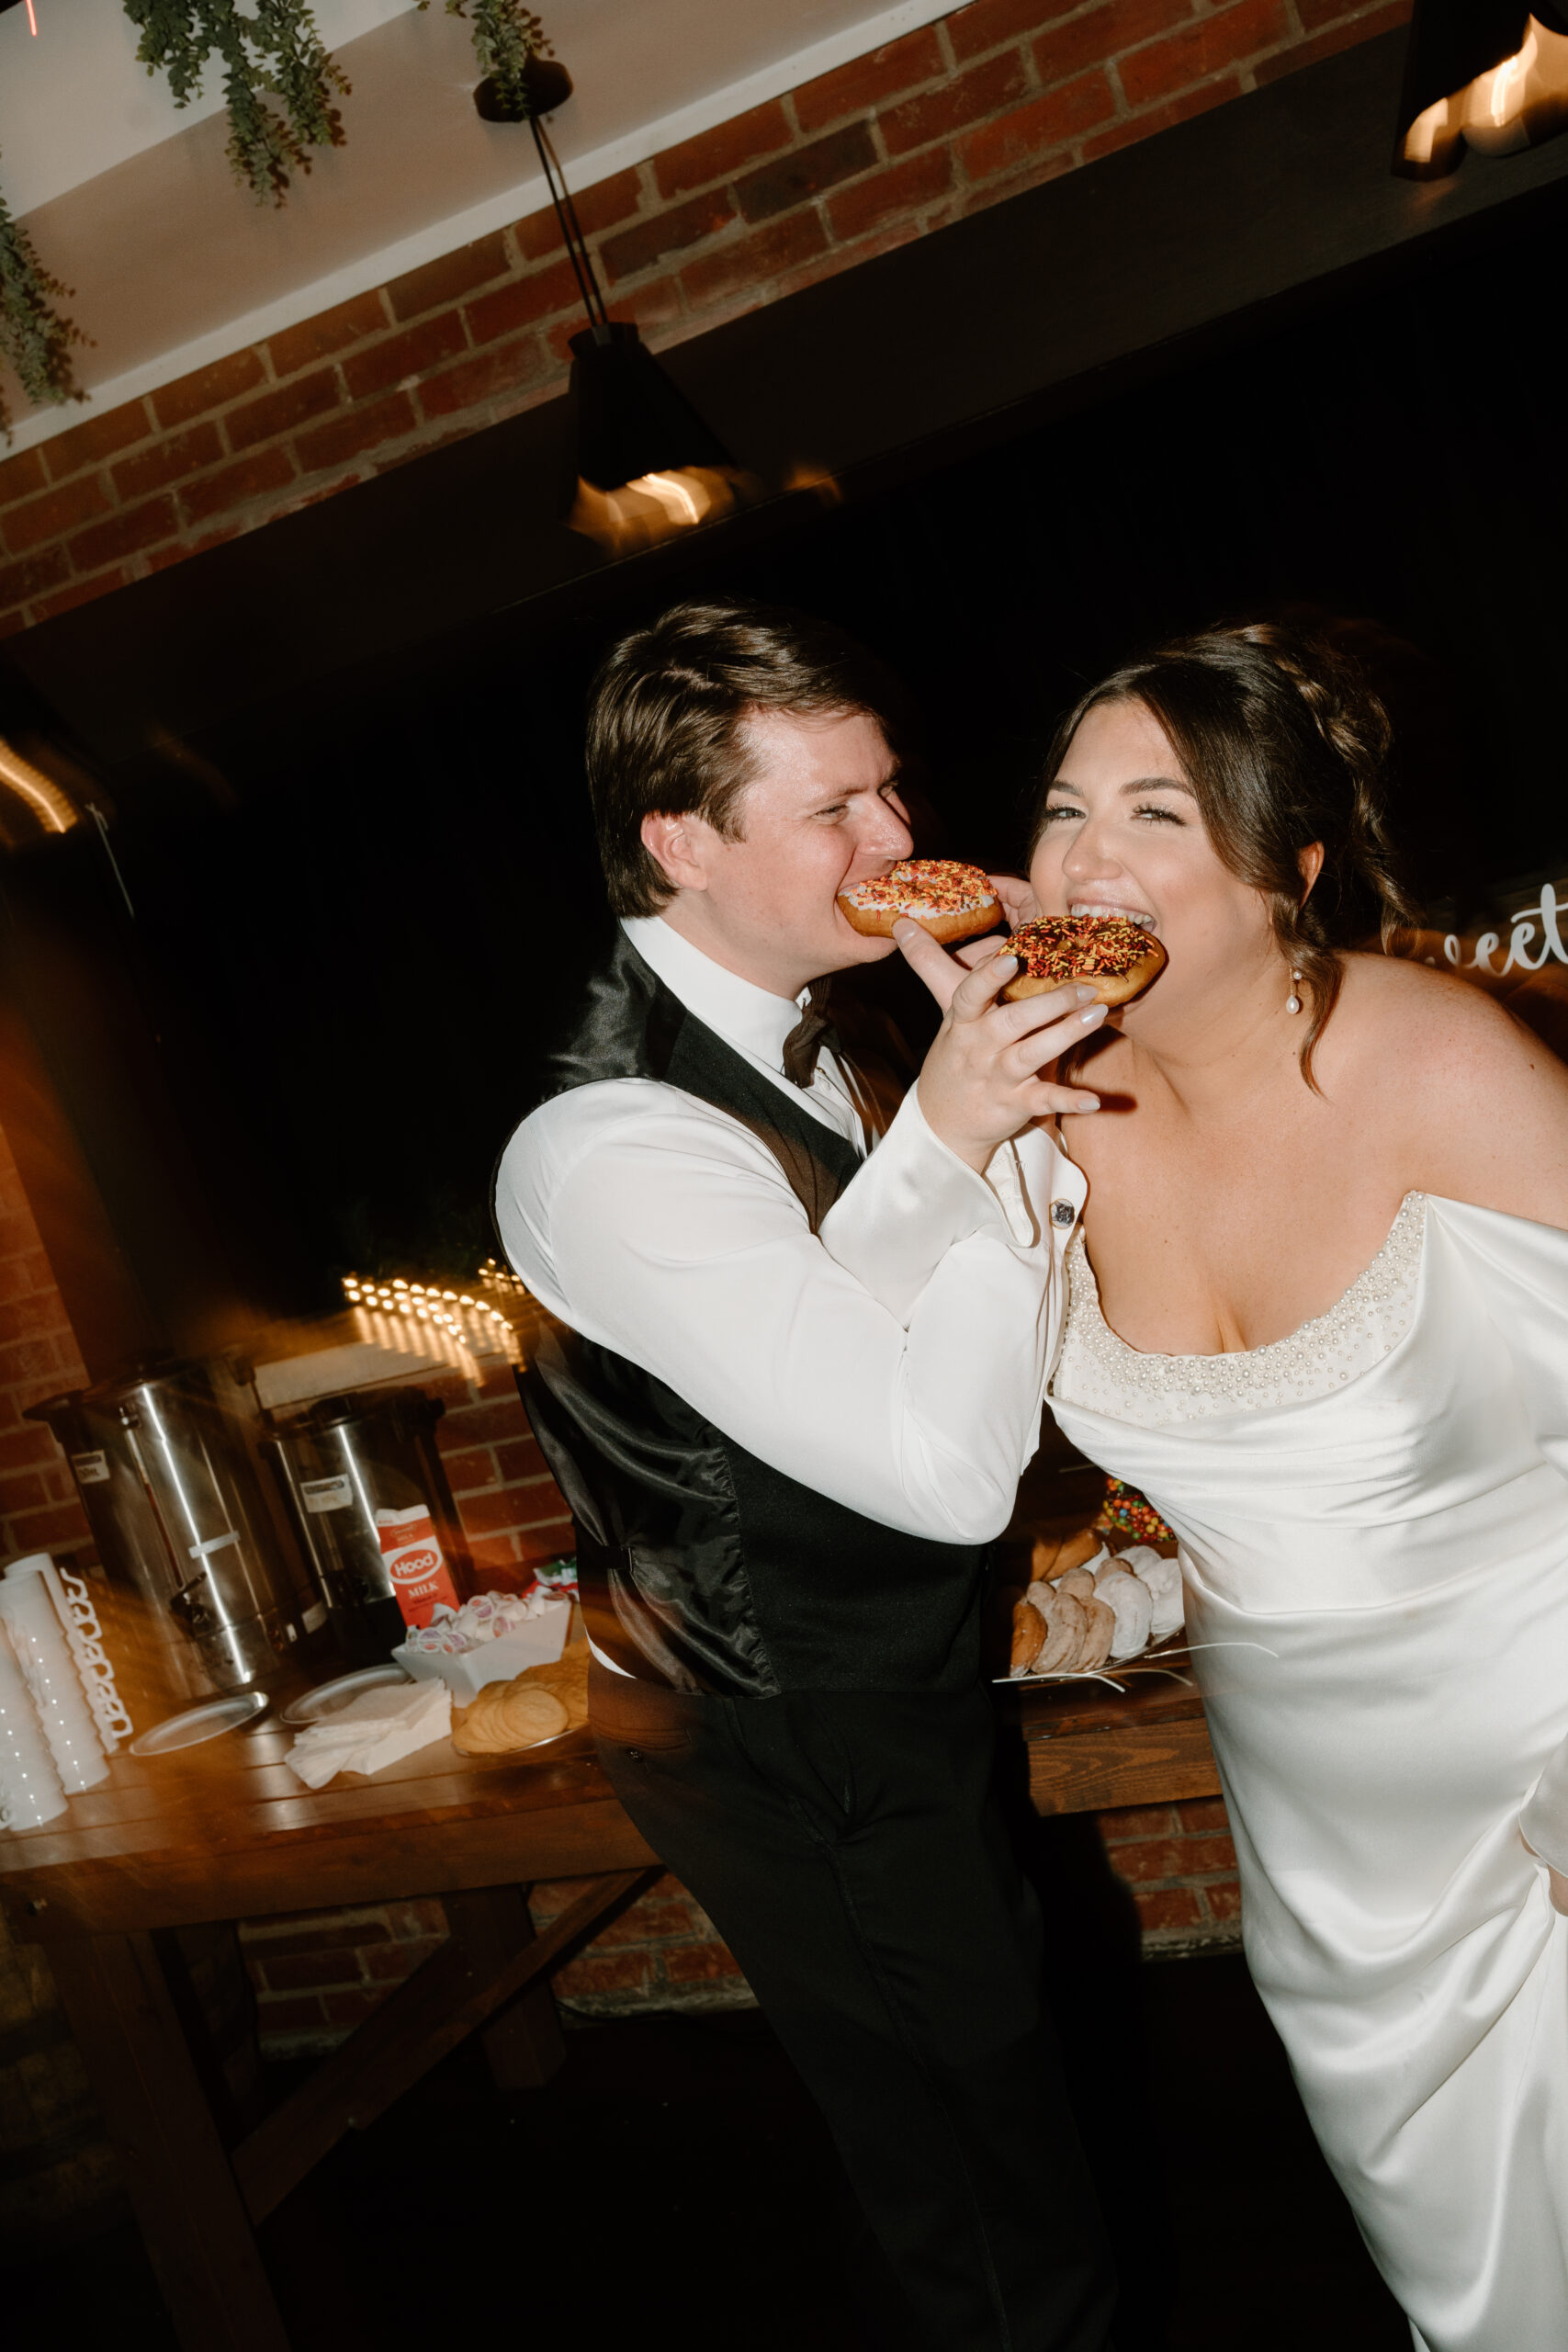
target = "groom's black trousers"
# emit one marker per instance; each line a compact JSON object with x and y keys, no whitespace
{"x":846,"y":1846}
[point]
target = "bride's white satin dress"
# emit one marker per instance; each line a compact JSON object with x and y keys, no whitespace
{"x":1376,"y":1510}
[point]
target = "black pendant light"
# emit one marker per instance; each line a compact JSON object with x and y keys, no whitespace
{"x":43,"y":790}
{"x":645,"y":464}
{"x":631,"y":420}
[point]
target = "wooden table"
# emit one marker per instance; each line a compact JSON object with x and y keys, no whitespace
{"x":225,"y":1832}
{"x":1091,"y":1749}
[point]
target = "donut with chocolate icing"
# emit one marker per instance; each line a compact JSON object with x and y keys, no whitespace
{"x":1111,"y":953}
{"x":949,"y":901}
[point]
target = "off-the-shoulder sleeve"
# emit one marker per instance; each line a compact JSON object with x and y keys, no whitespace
{"x":1522,"y":1272}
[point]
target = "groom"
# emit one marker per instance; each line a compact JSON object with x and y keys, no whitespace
{"x":788,"y":1385}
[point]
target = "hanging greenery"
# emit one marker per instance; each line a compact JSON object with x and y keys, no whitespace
{"x":34,"y":338}
{"x":277,"y":55}
{"x":277,"y":52}
{"x":507,"y":38}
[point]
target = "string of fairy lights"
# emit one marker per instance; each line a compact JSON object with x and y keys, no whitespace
{"x":474,"y":1322}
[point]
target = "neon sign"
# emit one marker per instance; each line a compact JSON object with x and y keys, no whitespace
{"x":1521,"y":938}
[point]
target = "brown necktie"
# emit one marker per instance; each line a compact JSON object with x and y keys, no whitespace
{"x":806,"y":1039}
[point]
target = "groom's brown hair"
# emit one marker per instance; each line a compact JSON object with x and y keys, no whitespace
{"x":666,"y":712}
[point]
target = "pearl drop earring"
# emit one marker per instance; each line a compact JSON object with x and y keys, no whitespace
{"x":1293,"y":1002}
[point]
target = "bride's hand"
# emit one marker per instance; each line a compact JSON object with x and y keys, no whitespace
{"x":982,"y":1080}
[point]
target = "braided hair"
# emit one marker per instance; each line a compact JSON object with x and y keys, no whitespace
{"x":1283,"y":743}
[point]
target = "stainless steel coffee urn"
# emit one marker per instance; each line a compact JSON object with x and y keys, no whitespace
{"x":163,"y":1464}
{"x":344,"y":1460}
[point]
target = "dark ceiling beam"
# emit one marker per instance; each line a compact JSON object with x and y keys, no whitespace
{"x":974,"y":332}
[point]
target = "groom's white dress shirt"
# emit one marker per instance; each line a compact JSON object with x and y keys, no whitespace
{"x":895,"y":1360}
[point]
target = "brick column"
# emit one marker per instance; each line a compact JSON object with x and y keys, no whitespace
{"x":39,"y":1356}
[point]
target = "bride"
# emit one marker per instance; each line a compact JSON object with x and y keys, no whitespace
{"x":1318,"y":1313}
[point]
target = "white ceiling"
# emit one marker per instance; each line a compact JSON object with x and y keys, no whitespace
{"x":131,"y":203}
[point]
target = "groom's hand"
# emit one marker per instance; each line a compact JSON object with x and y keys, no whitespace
{"x":981,"y":1080}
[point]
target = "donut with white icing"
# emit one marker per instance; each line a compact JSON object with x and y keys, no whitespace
{"x":949,"y":901}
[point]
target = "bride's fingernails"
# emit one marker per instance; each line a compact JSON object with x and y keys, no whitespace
{"x":1085,"y":995}
{"x":1087,"y":1103}
{"x":1096,"y":1012}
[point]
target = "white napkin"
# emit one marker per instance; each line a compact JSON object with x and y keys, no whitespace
{"x":379,"y":1727}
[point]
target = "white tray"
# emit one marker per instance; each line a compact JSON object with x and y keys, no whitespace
{"x":194,"y":1724}
{"x":1155,"y":1658}
{"x":539,"y":1642}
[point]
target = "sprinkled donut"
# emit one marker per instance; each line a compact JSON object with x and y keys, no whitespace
{"x":947,"y":899}
{"x":1109,"y":954}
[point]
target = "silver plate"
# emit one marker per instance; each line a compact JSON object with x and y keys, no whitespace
{"x":197,"y":1724}
{"x":326,"y":1701}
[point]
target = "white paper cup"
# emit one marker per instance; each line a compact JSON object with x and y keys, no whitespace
{"x":29,"y":1785}
{"x":49,"y":1669}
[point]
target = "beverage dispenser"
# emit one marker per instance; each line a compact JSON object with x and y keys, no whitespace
{"x":376,"y":1510}
{"x":163,"y":1464}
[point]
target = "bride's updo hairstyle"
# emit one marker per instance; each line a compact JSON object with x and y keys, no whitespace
{"x":1282,"y":742}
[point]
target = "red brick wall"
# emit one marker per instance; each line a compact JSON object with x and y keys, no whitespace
{"x":39,"y":1356}
{"x":953,"y":117}
{"x":512,"y":1511}
{"x":1180,"y":1865}
{"x":663,"y":1953}
{"x":318,"y":1974}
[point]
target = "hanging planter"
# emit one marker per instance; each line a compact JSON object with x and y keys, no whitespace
{"x":510,"y":42}
{"x":280,"y":85}
{"x":34,"y":338}
{"x":276,"y":55}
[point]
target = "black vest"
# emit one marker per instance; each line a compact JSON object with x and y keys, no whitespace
{"x":700,"y":1565}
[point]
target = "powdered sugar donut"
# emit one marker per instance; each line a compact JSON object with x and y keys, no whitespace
{"x":1079,"y":1582}
{"x":1134,"y":1608}
{"x":1065,"y":1625}
{"x":1100,"y":1632}
{"x":1163,"y":1578}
